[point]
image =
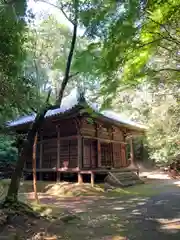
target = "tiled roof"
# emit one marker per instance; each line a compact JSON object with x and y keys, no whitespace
{"x":117,"y":117}
{"x":67,"y":104}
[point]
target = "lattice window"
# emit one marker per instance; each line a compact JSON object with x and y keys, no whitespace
{"x":90,"y":154}
{"x":68,"y":152}
{"x":117,"y":155}
{"x":106,"y":154}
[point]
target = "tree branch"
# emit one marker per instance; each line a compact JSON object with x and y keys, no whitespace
{"x":163,"y":25}
{"x":167,"y":69}
{"x":70,"y":56}
{"x":59,"y":8}
{"x":48,"y":96}
{"x":73,"y":75}
{"x":7,"y":3}
{"x":149,"y":43}
{"x":33,"y":109}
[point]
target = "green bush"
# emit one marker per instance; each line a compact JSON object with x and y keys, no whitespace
{"x":8,"y":152}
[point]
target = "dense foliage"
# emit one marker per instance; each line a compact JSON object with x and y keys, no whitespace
{"x":135,"y":41}
{"x":8,"y":152}
{"x":47,"y":49}
{"x":17,"y":93}
{"x":136,"y":54}
{"x":158,"y":108}
{"x":130,"y":50}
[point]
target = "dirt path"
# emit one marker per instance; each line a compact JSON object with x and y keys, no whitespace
{"x":109,"y":218}
{"x":138,"y":218}
{"x":135,"y":218}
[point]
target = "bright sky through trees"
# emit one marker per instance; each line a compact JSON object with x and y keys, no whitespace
{"x":41,"y":9}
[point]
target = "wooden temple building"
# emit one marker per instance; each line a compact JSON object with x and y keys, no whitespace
{"x":78,"y":139}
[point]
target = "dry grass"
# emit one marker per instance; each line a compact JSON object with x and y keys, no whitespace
{"x":66,"y":189}
{"x":72,"y":189}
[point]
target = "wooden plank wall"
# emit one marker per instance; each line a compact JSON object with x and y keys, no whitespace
{"x":106,"y":155}
{"x":90,"y":153}
{"x":87,"y":128}
{"x":49,"y":142}
{"x":118,"y":134}
{"x":67,"y":127}
{"x":117,"y":155}
{"x":110,"y":154}
{"x":68,"y":152}
{"x":49,"y":130}
{"x":124,"y":161}
{"x":49,"y":153}
{"x":68,"y":148}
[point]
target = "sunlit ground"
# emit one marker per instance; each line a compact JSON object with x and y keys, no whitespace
{"x":170,"y":225}
{"x":177,"y":183}
{"x":112,"y":215}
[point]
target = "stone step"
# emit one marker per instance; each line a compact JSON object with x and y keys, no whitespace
{"x":123,"y":180}
{"x":129,"y":176}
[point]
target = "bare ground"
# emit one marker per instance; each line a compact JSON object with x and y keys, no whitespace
{"x":148,"y":212}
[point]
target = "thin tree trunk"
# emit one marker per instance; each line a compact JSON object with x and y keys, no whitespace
{"x":34,"y":169}
{"x":12,"y":195}
{"x":71,"y":52}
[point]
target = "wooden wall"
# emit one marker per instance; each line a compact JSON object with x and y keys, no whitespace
{"x":118,"y":134}
{"x":49,"y":153}
{"x":87,"y":127}
{"x":67,"y":127}
{"x":119,"y":155}
{"x":112,"y":154}
{"x":48,"y":140}
{"x":69,"y":152}
{"x":89,"y":153}
{"x":106,"y":154}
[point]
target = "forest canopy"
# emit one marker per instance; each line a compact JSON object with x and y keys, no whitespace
{"x":126,"y":55}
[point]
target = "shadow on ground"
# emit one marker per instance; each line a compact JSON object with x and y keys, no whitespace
{"x":108,"y":216}
{"x":135,"y":218}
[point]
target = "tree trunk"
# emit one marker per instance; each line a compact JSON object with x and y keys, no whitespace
{"x":27,"y":146}
{"x":26,"y":151}
{"x":15,"y":181}
{"x":34,"y":169}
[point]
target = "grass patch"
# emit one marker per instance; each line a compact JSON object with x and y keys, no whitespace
{"x":144,"y":190}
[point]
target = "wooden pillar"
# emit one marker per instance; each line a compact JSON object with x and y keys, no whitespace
{"x":40,"y":155}
{"x":80,"y":151}
{"x":80,"y":179}
{"x":131,"y":150}
{"x":99,"y":153}
{"x":58,"y":154}
{"x":98,"y":147}
{"x":123,"y":154}
{"x":112,"y":146}
{"x":92,"y":179}
{"x":142,"y":150}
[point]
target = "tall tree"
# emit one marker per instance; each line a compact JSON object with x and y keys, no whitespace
{"x":28,"y":143}
{"x":18,"y":93}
